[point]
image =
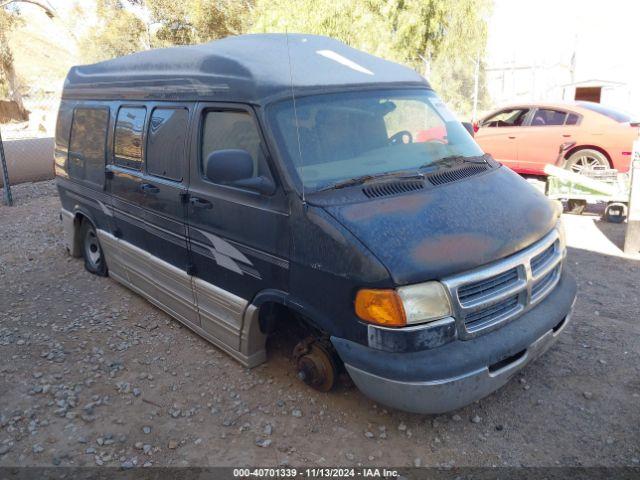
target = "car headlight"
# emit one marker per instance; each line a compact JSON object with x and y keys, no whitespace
{"x":410,"y":305}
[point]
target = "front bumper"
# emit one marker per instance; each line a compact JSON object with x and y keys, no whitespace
{"x":458,"y":373}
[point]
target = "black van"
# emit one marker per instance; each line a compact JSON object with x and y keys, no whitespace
{"x":265,"y":179}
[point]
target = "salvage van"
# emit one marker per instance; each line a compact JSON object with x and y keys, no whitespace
{"x":259,"y":182}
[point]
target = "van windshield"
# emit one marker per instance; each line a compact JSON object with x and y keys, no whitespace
{"x":331,"y":138}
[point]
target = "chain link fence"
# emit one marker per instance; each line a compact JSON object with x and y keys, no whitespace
{"x":28,"y":136}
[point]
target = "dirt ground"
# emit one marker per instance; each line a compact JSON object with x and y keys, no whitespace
{"x":92,"y":374}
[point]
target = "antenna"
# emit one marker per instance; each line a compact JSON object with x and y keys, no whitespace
{"x":295,"y":114}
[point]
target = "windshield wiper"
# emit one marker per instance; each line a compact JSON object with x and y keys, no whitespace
{"x":365,"y":178}
{"x":457,"y":159}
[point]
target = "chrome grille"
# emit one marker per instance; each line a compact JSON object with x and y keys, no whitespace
{"x":479,"y":319}
{"x":487,"y":297}
{"x":547,"y":281}
{"x":474,"y":291}
{"x":539,"y":260}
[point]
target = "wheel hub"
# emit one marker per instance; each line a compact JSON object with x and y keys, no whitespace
{"x":93,"y":248}
{"x":315,"y":364}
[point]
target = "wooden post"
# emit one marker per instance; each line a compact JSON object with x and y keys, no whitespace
{"x":8,"y":198}
{"x":632,"y":238}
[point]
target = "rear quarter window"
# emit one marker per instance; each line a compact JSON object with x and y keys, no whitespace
{"x":87,"y":146}
{"x":572,"y":119}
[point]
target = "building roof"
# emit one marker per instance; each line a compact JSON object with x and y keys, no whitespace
{"x":247,"y":68}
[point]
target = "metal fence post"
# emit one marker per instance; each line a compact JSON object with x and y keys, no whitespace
{"x":632,"y":237}
{"x":8,"y":198}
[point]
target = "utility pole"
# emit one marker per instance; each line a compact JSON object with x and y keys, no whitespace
{"x":8,"y":198}
{"x":632,"y":237}
{"x":476,"y":75}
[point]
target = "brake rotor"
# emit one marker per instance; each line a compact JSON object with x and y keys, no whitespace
{"x":316,"y":365}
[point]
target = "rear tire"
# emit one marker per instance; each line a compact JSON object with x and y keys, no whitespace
{"x":615,"y":213}
{"x":585,"y":159}
{"x":92,"y":252}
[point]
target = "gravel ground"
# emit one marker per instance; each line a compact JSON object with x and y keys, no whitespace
{"x":92,"y":374}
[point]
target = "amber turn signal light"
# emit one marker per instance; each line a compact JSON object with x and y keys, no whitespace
{"x":380,"y":306}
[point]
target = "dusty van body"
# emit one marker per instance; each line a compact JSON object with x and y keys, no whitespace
{"x":265,"y":179}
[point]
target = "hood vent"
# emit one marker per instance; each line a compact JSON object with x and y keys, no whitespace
{"x":448,"y":176}
{"x":388,"y":189}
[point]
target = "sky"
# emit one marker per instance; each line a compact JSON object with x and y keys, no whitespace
{"x":603,"y":34}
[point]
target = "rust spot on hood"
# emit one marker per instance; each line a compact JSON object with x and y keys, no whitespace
{"x":449,"y":248}
{"x":409,"y":204}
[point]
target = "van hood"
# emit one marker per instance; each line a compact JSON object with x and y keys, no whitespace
{"x":450,"y":228}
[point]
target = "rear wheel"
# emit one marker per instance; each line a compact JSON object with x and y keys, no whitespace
{"x":586,"y":159}
{"x":92,"y":252}
{"x":615,"y":213}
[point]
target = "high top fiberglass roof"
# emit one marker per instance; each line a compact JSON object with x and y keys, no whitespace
{"x":248,"y":68}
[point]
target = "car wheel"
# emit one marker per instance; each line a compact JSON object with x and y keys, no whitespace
{"x":92,"y":252}
{"x":615,"y":213}
{"x":586,"y":159}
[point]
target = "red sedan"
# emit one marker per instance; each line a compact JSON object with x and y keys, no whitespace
{"x":527,"y":137}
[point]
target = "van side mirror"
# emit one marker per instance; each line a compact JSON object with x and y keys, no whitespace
{"x":234,"y":167}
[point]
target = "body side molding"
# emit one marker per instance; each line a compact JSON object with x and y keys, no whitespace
{"x":226,"y":320}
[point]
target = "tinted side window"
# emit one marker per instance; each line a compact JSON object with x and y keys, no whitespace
{"x":572,"y":119}
{"x":546,"y":117}
{"x":512,"y":117}
{"x":127,"y":150}
{"x":87,"y":147}
{"x":166,"y":142}
{"x":233,"y":130}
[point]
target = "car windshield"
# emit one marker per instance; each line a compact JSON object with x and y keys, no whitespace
{"x":331,"y":138}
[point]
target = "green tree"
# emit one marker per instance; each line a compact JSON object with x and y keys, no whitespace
{"x":119,"y":32}
{"x":8,"y":77}
{"x":447,"y":34}
{"x":7,"y":73}
{"x":195,"y":21}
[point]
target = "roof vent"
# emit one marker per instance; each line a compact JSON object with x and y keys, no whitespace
{"x":388,"y":189}
{"x":448,"y":176}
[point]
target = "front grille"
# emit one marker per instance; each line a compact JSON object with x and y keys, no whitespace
{"x":478,"y":319}
{"x":487,"y":297}
{"x":541,"y":259}
{"x":545,"y":282}
{"x":473,"y":291}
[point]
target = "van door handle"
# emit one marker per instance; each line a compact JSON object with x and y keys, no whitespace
{"x":149,"y":189}
{"x":566,"y":135}
{"x":200,"y":202}
{"x":511,"y":137}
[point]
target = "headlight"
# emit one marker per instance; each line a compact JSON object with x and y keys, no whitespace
{"x":421,"y":303}
{"x":425,"y":302}
{"x":562,"y":236}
